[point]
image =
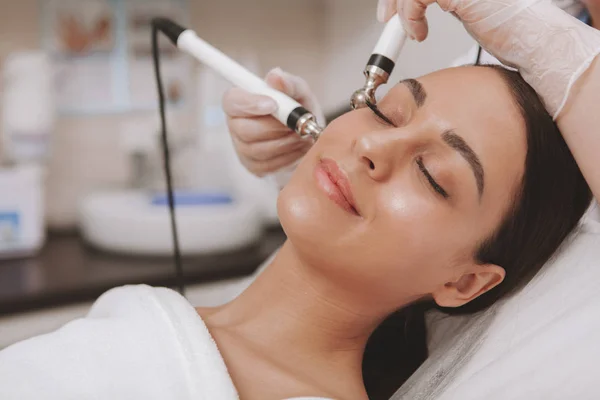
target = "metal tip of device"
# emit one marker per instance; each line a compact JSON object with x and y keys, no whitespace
{"x":375,"y":77}
{"x":361,"y":97}
{"x":307,"y":125}
{"x":313,"y":129}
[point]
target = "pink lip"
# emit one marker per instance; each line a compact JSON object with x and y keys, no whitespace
{"x":334,"y":182}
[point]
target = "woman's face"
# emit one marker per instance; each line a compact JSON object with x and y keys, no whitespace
{"x":396,"y":212}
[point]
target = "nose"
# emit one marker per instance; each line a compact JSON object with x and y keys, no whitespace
{"x":379,"y":153}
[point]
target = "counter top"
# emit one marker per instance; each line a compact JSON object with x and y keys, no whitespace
{"x":69,"y":271}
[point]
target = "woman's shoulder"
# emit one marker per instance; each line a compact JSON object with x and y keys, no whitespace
{"x":164,"y":309}
{"x":139,"y":301}
{"x":166,"y":313}
{"x":161,"y":313}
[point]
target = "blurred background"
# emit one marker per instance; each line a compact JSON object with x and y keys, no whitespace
{"x":82,"y":204}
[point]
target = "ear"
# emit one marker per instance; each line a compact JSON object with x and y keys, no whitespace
{"x":477,"y":280}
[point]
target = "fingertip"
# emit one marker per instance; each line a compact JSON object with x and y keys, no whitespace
{"x":265,"y":105}
{"x":231,"y":100}
{"x":416,"y":30}
{"x":276,"y":79}
{"x":421,"y":31}
{"x":284,"y":82}
{"x":381,"y":11}
{"x":239,"y":103}
{"x":385,"y":10}
{"x":274,"y":73}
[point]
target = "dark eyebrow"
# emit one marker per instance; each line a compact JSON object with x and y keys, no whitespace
{"x":416,"y":89}
{"x":458,"y":143}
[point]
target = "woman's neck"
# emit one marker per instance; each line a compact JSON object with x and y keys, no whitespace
{"x":293,"y":312}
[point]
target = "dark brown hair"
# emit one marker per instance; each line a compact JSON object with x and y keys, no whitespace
{"x":549,"y":202}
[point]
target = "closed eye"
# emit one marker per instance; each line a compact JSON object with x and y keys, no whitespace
{"x":440,"y":190}
{"x":432,"y":181}
{"x":379,"y":114}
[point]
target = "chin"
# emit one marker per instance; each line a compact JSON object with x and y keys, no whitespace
{"x":325,"y":245}
{"x":328,"y":241}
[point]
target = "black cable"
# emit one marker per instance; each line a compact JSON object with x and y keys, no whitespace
{"x":478,"y":60}
{"x":167,"y":163}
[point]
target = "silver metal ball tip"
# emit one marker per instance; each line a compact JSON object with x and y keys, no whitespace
{"x":360,"y":98}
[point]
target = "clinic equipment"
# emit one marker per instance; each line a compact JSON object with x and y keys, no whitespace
{"x":22,"y":222}
{"x":28,"y":112}
{"x":207,"y":222}
{"x":28,"y":119}
{"x":289,"y":111}
{"x":211,"y":216}
{"x":381,"y":63}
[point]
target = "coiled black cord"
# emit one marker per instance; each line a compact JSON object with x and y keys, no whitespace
{"x":167,"y":163}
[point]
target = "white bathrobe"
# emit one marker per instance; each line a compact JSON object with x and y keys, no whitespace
{"x":137,"y":342}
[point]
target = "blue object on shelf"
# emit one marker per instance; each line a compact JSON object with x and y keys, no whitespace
{"x":9,"y":226}
{"x":192,"y":199}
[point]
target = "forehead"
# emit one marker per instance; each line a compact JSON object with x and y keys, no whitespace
{"x":474,"y":99}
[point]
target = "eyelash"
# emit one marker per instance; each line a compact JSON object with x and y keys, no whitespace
{"x":432,"y":181}
{"x":379,"y":114}
{"x":440,"y":190}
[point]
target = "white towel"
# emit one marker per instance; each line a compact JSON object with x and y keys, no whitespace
{"x":137,"y":342}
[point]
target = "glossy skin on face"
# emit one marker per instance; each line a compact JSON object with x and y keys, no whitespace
{"x":409,"y":240}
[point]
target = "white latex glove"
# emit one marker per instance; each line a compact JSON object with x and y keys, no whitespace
{"x":263,"y":144}
{"x":550,"y":48}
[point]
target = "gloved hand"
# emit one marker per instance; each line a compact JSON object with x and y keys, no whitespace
{"x":263,"y":144}
{"x":550,"y":48}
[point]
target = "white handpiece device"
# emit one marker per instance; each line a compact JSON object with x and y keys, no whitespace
{"x":381,"y":63}
{"x":391,"y":41}
{"x":289,"y":112}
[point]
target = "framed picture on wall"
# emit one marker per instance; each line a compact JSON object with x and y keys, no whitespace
{"x":102,"y":53}
{"x":176,"y":67}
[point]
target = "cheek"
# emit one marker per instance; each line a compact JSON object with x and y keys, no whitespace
{"x":406,"y":250}
{"x":342,"y":130}
{"x":416,"y":240}
{"x":298,"y":211}
{"x":304,"y":212}
{"x":406,"y":227}
{"x":309,"y":221}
